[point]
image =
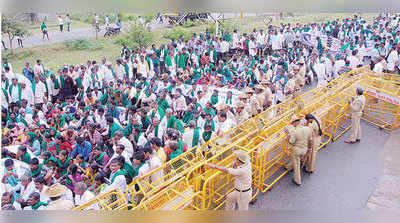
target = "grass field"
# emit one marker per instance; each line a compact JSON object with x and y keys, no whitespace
{"x":56,"y":55}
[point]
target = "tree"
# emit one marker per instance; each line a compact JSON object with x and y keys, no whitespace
{"x":137,"y":38}
{"x":12,"y":27}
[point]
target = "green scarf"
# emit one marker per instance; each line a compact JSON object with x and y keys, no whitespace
{"x":63,"y":166}
{"x":212,"y":125}
{"x":99,"y":159}
{"x":129,"y":170}
{"x":187,"y":117}
{"x":137,"y":168}
{"x":214,"y":100}
{"x":38,"y":204}
{"x":19,"y":90}
{"x":35,"y":173}
{"x":26,"y":158}
{"x":228,"y":101}
{"x":196,"y":136}
{"x":45,"y":162}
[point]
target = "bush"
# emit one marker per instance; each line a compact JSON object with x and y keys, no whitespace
{"x":176,"y":33}
{"x":189,"y":23}
{"x":211,"y":28}
{"x":137,"y":38}
{"x":83,"y":44}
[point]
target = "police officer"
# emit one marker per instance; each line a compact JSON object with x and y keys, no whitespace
{"x":241,"y":114}
{"x":315,"y":126}
{"x":243,"y":98}
{"x":260,"y":97}
{"x":290,"y":87}
{"x":357,"y":105}
{"x":301,"y":138}
{"x":241,"y":170}
{"x":267,"y":94}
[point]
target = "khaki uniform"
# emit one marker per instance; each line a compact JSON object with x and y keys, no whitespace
{"x":254,"y":105}
{"x":60,"y":205}
{"x":299,"y":138}
{"x":290,"y":87}
{"x":302,"y":76}
{"x":230,"y":116}
{"x":357,"y":107}
{"x":241,"y":117}
{"x":261,"y":100}
{"x":316,"y":141}
{"x":241,"y":183}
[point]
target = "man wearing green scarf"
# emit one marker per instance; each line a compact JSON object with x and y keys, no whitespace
{"x":34,"y":202}
{"x":23,"y":154}
{"x":214,"y":97}
{"x":112,"y":127}
{"x":191,"y":136}
{"x":117,"y":177}
{"x":14,"y":91}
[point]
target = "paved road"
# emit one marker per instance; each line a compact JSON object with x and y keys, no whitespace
{"x":387,"y":193}
{"x":57,"y":36}
{"x":345,"y":178}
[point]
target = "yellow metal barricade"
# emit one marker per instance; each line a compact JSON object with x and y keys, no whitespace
{"x":143,"y":188}
{"x":112,"y":200}
{"x":188,"y":184}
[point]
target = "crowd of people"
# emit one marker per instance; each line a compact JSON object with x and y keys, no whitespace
{"x":86,"y":129}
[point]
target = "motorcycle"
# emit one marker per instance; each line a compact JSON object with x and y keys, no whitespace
{"x":111,"y":31}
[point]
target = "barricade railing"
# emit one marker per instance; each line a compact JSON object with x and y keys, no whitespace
{"x":115,"y":199}
{"x":188,"y":184}
{"x":142,"y":188}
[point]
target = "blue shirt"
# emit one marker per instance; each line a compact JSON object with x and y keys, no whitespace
{"x":83,"y":150}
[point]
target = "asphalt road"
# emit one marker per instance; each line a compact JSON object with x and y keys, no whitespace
{"x":57,"y":36}
{"x":345,"y":177}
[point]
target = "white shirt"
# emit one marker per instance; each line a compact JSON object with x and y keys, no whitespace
{"x":222,"y":127}
{"x":68,"y":196}
{"x":50,"y":88}
{"x":224,"y":46}
{"x":119,"y":182}
{"x":120,"y":73}
{"x":101,"y":120}
{"x":153,"y":163}
{"x":187,"y":137}
{"x":337,"y":66}
{"x":14,"y":94}
{"x":25,"y":192}
{"x":60,"y":21}
{"x":87,"y":196}
{"x":179,"y":104}
{"x":128,"y":151}
{"x":354,"y":62}
{"x":252,"y":48}
{"x":378,"y":68}
{"x":38,"y":69}
{"x":321,"y":75}
{"x":40,"y":92}
{"x":392,"y":60}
